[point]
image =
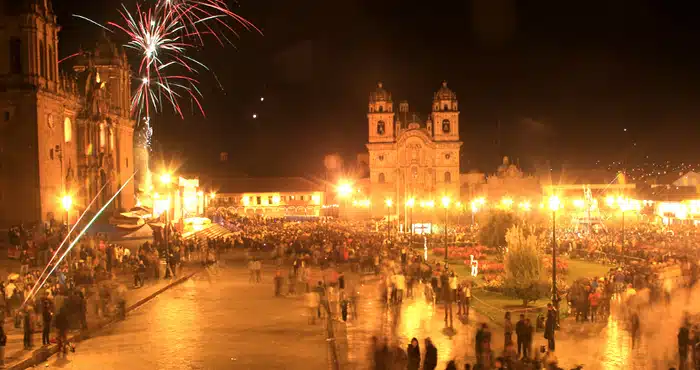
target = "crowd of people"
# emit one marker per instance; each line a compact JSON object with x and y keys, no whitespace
{"x":91,"y":279}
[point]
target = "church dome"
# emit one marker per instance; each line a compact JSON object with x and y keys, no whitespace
{"x":379,"y":94}
{"x":444,"y":93}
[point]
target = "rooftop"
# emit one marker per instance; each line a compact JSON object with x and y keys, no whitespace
{"x":265,"y":185}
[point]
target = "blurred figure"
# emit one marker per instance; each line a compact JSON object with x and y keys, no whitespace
{"x":413,"y":351}
{"x":431,"y":355}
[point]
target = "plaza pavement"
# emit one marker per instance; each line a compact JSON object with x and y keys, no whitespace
{"x":16,"y":357}
{"x":218,"y":321}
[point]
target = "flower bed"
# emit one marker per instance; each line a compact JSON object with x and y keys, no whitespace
{"x":562,"y":265}
{"x":461,"y":253}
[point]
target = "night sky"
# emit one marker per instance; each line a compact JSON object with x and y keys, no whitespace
{"x":536,"y":80}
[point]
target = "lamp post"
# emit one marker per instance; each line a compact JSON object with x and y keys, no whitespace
{"x":166,"y":179}
{"x":66,"y":203}
{"x":389,"y":203}
{"x":344,"y":190}
{"x":410,"y":203}
{"x":623,"y":203}
{"x":446,"y":206}
{"x":554,"y":204}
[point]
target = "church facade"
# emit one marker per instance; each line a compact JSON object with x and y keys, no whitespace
{"x":59,"y":134}
{"x":411,"y":158}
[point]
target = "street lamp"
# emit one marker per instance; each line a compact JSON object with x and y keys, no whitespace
{"x":410,"y":202}
{"x":507,"y":203}
{"x":166,"y":179}
{"x":475,"y":205}
{"x":67,"y":203}
{"x":554,"y":204}
{"x":344,"y":190}
{"x":446,"y":206}
{"x":624,"y":205}
{"x":388,"y":203}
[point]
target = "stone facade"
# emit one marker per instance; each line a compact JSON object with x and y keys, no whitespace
{"x":59,"y":134}
{"x":410,"y":158}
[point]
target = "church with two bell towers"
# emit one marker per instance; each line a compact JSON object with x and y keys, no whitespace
{"x":61,"y":134}
{"x":412,"y":158}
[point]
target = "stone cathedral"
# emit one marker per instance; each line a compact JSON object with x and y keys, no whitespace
{"x":59,"y":134}
{"x":411,"y":157}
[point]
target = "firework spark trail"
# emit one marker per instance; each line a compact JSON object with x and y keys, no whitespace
{"x":164,"y":33}
{"x":65,"y":239}
{"x":82,"y":232}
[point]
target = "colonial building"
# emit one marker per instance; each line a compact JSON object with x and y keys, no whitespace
{"x":410,"y":157}
{"x":269,"y":197}
{"x":59,"y":135}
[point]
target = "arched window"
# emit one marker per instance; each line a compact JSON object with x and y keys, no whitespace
{"x":381,"y":128}
{"x":446,"y":126}
{"x":445,"y":107}
{"x":111,"y":139}
{"x":448,"y":177}
{"x":67,"y":130}
{"x":381,"y":109}
{"x":381,"y":179}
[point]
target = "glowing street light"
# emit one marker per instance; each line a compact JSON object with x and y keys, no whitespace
{"x":66,"y":202}
{"x":507,"y":203}
{"x":344,"y":189}
{"x":212,"y":195}
{"x":445,"y":202}
{"x":166,"y":178}
{"x":579,"y":203}
{"x":610,"y":201}
{"x":525,"y":206}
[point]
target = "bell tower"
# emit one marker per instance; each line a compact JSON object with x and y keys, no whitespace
{"x":381,"y":116}
{"x":445,"y":115}
{"x":29,"y":30}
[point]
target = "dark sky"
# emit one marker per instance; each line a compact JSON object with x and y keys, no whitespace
{"x":560,"y":80}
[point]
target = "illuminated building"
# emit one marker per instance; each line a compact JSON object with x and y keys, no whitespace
{"x":269,"y":197}
{"x":411,"y":158}
{"x":58,"y":134}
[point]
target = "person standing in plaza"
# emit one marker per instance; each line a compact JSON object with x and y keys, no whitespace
{"x":413,"y":351}
{"x":507,"y":330}
{"x":549,"y":326}
{"x":431,"y":355}
{"x":27,"y":326}
{"x":683,"y":344}
{"x":46,"y":315}
{"x":520,"y":336}
{"x":3,"y":343}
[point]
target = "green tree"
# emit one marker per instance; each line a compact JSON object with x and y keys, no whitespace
{"x":493,"y":233}
{"x":523,"y":265}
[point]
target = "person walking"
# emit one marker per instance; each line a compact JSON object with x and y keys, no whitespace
{"x":28,"y":332}
{"x":46,"y":315}
{"x":61,"y":324}
{"x":594,"y":301}
{"x":683,"y":344}
{"x":529,"y":330}
{"x":520,"y":336}
{"x":431,"y":355}
{"x":413,"y":351}
{"x":549,"y":326}
{"x":507,"y":330}
{"x":3,"y":343}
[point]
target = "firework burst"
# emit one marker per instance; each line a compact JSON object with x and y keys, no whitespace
{"x":164,"y":34}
